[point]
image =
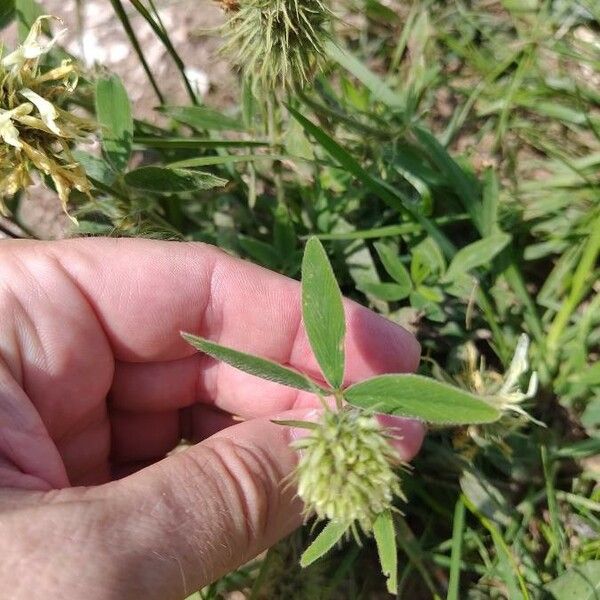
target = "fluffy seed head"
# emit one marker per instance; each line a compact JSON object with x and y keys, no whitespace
{"x":278,"y":44}
{"x":35,"y":133}
{"x":346,"y":469}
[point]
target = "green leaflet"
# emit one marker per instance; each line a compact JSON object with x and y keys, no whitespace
{"x":420,"y":398}
{"x":171,"y":181}
{"x":385,"y":538}
{"x":323,"y":312}
{"x":325,"y":541}
{"x":113,"y":111}
{"x":260,"y":367}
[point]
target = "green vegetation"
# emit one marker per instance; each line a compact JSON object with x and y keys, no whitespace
{"x":447,"y":155}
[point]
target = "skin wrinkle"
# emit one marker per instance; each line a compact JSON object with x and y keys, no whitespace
{"x":230,"y":492}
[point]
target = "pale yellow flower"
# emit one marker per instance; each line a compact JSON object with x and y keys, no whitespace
{"x":36,"y":133}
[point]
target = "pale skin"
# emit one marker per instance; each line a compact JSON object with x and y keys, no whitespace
{"x":96,"y":387}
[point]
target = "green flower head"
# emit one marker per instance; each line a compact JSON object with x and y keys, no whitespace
{"x":346,"y":471}
{"x":278,"y":44}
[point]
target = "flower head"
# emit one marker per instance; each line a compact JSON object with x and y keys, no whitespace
{"x":346,"y":469}
{"x":35,"y":133}
{"x":278,"y":44}
{"x":503,"y":392}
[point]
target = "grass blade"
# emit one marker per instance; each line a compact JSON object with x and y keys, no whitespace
{"x":458,"y":528}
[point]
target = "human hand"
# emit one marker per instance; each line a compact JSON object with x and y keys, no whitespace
{"x":96,"y":387}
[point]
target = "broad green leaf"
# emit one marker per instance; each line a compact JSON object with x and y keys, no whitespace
{"x":378,"y":88}
{"x":260,"y":251}
{"x":421,"y":398}
{"x":580,"y":582}
{"x":488,"y":499}
{"x":393,"y":265}
{"x":260,"y":367}
{"x":323,"y":312}
{"x":476,"y":254}
{"x":163,"y":180}
{"x":325,"y":541}
{"x":385,"y":538}
{"x":113,"y":111}
{"x":590,"y":418}
{"x":390,"y":292}
{"x":202,"y":117}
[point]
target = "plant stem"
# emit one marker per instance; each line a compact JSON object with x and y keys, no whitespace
{"x":580,"y":283}
{"x":458,"y":527}
{"x":120,"y":11}
{"x":274,"y":133}
{"x":166,"y":41}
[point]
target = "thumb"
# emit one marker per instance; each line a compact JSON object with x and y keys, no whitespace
{"x":205,"y":511}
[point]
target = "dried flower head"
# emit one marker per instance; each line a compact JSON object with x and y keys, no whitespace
{"x":278,"y":44}
{"x":346,"y":470}
{"x":503,"y":392}
{"x":35,"y":133}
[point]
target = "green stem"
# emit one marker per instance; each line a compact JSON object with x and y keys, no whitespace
{"x":274,"y":127}
{"x":120,"y":12}
{"x":581,"y":282}
{"x":166,"y":41}
{"x":559,"y":541}
{"x":458,"y":527}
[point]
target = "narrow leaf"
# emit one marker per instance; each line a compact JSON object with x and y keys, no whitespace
{"x":113,"y":111}
{"x":295,"y":423}
{"x":458,"y":532}
{"x":325,"y":541}
{"x":421,"y":398}
{"x":390,"y":292}
{"x":162,"y":180}
{"x":378,"y":88}
{"x":385,"y":538}
{"x":323,"y":312}
{"x":202,"y":117}
{"x":204,"y":161}
{"x":393,"y":265}
{"x":193,"y":143}
{"x":476,"y":254}
{"x":463,"y":185}
{"x":387,"y":193}
{"x":260,"y":367}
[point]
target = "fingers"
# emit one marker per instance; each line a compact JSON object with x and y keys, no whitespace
{"x":166,"y":530}
{"x":144,"y":292}
{"x":178,"y":383}
{"x":406,"y":435}
{"x":201,"y":513}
